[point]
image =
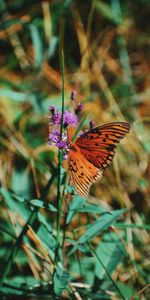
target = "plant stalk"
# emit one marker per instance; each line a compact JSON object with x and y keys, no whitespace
{"x":58,"y":255}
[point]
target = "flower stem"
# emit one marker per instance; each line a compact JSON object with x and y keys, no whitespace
{"x":62,"y":109}
{"x":59,"y":208}
{"x":58,"y":254}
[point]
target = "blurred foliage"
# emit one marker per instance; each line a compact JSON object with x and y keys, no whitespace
{"x":107,"y":62}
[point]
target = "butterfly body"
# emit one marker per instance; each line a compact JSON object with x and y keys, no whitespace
{"x":92,"y":152}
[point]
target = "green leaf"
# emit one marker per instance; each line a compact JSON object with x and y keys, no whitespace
{"x":94,"y":209}
{"x":96,"y":229}
{"x":52,"y":46}
{"x":111,"y":252}
{"x":74,"y":207}
{"x":37,"y":44}
{"x":43,"y":221}
{"x":81,"y":248}
{"x":6,"y":290}
{"x":18,"y":198}
{"x":19,"y":285}
{"x":85,"y":267}
{"x":21,"y":182}
{"x":46,"y":237}
{"x":18,"y":281}
{"x":127,"y":291}
{"x":61,"y":279}
{"x":14,"y":205}
{"x":132,"y":225}
{"x":104,"y":9}
{"x":41,"y":204}
{"x":16,"y":96}
{"x":7,"y":230}
{"x":48,"y":241}
{"x":100,"y":225}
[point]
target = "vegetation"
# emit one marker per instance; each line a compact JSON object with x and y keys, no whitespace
{"x":53,"y":242}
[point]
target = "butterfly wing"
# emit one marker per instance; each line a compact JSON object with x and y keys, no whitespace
{"x":98,"y":144}
{"x":82,"y":172}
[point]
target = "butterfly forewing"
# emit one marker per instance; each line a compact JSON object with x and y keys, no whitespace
{"x":98,"y":144}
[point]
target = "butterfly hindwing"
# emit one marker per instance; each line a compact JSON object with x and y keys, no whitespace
{"x":82,"y":173}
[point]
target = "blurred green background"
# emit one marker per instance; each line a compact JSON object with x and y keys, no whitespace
{"x":106,"y":49}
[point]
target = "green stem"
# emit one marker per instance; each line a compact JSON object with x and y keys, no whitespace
{"x":114,"y":283}
{"x":15,"y":247}
{"x":63,"y":101}
{"x":59,"y":196}
{"x":59,"y":199}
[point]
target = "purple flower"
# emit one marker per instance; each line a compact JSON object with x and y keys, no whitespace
{"x":56,"y":118}
{"x":54,"y":136}
{"x":54,"y":139}
{"x":61,"y":144}
{"x":70,"y":119}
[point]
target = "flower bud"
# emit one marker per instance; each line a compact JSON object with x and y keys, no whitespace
{"x":92,"y":124}
{"x":52,"y":109}
{"x":79,"y":108}
{"x":73,"y":95}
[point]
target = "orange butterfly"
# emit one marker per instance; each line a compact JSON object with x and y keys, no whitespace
{"x":92,"y":152}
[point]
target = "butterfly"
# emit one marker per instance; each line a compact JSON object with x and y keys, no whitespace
{"x":92,"y":152}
